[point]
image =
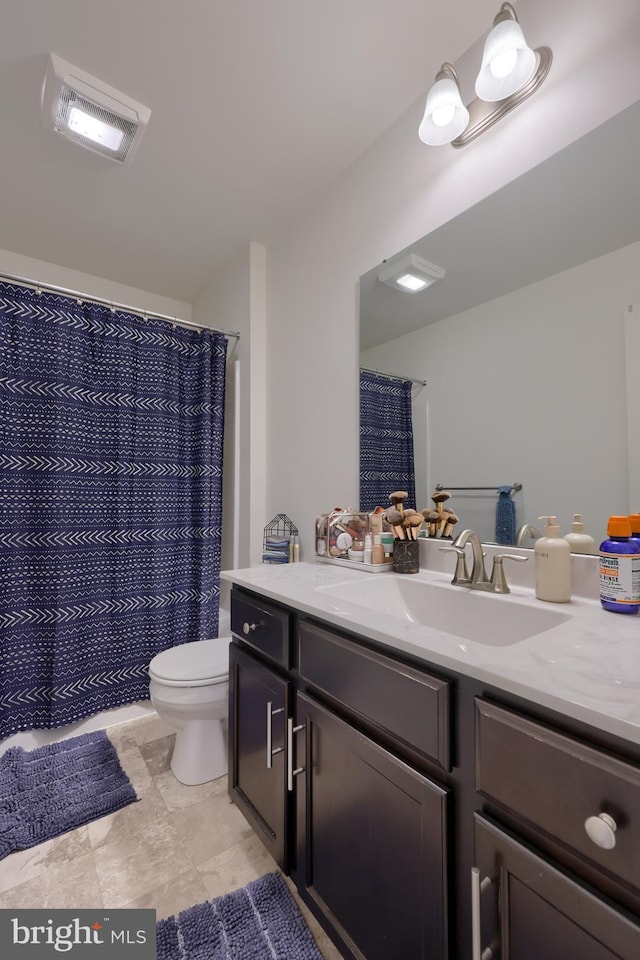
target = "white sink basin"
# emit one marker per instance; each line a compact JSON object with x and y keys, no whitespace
{"x":493,"y":619}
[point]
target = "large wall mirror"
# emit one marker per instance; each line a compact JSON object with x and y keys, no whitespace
{"x":526,"y":343}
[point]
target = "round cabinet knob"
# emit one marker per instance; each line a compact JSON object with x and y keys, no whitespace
{"x":248,"y":627}
{"x":601,"y":830}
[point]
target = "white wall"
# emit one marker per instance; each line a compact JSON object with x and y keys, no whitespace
{"x":94,"y":286}
{"x":531,"y":387}
{"x":399,"y":191}
{"x":632,"y":350}
{"x":236,"y":300}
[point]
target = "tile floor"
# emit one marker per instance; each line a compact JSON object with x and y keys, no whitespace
{"x":176,"y":847}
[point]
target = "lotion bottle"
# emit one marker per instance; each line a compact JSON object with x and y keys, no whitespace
{"x":552,"y":555}
{"x":578,"y":540}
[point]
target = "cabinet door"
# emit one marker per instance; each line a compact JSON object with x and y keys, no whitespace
{"x":371,"y":841}
{"x":531,"y":910}
{"x":258,"y":708}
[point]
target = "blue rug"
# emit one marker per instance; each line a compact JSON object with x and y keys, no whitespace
{"x":259,"y":922}
{"x":52,"y":789}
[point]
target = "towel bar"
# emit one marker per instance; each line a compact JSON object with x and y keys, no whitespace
{"x":444,"y":486}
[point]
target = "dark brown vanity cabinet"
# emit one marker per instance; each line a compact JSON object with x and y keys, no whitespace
{"x":371,"y":840}
{"x":260,"y":701}
{"x":551,"y":895}
{"x":529,"y":909}
{"x":361,"y":830}
{"x":422,"y":814}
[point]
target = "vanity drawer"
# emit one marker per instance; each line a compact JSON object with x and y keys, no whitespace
{"x":261,"y":625}
{"x":409,"y":704}
{"x":556,"y":783}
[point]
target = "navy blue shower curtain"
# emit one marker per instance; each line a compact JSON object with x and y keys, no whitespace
{"x":111,"y":437}
{"x":386,"y":440}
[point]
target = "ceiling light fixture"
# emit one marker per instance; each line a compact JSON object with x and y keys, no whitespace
{"x":91,"y":113}
{"x":410,"y":274}
{"x":510,"y":73}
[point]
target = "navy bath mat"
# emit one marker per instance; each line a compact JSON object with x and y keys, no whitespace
{"x":52,"y":789}
{"x":259,"y":922}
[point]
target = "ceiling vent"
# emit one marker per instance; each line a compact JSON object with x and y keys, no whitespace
{"x":91,"y":113}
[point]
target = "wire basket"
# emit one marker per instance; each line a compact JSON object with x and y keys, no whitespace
{"x":279,"y":540}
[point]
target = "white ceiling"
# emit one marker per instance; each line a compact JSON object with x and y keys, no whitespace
{"x":257,"y":106}
{"x":579,"y":204}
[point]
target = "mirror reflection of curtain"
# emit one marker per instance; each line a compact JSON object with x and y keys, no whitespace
{"x":386,"y":440}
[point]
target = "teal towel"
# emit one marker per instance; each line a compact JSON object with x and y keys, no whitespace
{"x":505,"y":517}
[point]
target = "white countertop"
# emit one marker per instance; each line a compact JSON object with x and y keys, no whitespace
{"x":587,"y":668}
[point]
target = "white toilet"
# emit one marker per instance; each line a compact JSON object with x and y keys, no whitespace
{"x":189,"y":688}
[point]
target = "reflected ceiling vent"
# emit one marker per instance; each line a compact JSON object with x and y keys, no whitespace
{"x":411,"y":274}
{"x":91,"y":113}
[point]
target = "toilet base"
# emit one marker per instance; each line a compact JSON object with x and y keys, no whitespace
{"x":200,"y":752}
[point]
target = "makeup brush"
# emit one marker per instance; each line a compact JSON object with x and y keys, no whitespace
{"x":432,"y":517}
{"x":439,"y":497}
{"x":451,"y":522}
{"x":398,"y":498}
{"x":394,"y":518}
{"x":444,"y":517}
{"x":412,"y":524}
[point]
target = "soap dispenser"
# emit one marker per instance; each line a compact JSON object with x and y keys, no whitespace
{"x":552,"y":555}
{"x":578,"y":540}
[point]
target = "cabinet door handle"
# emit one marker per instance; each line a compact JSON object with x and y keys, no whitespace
{"x":271,"y":753}
{"x":477,"y":887}
{"x":602,"y":830}
{"x":248,"y":627}
{"x":291,"y":773}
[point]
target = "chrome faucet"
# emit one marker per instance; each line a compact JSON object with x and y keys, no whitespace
{"x":478,"y":579}
{"x":527,"y":530}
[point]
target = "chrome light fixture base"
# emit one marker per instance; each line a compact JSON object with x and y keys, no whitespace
{"x":483,"y":114}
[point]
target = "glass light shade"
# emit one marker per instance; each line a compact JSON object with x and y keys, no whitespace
{"x":507,"y":62}
{"x":445,"y":115}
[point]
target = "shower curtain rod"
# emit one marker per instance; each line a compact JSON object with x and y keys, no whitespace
{"x":394,"y":376}
{"x":27,"y":282}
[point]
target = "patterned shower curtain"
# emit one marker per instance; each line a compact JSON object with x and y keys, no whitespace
{"x":386,"y":440}
{"x":110,"y":502}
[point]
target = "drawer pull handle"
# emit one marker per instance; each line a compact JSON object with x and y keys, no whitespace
{"x":271,"y":753}
{"x":602,"y":830}
{"x":291,"y":773}
{"x":477,"y":887}
{"x":248,"y":627}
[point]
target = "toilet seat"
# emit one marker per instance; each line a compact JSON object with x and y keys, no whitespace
{"x":195,"y":664}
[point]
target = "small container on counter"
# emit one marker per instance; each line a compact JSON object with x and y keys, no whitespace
{"x":552,"y":557}
{"x":377,"y":550}
{"x":368,"y":546}
{"x":634,"y":520}
{"x":620,"y":568}
{"x":406,"y":556}
{"x":578,"y":540}
{"x":344,"y":536}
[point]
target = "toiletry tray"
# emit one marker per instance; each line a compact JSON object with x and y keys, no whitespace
{"x":356,"y":564}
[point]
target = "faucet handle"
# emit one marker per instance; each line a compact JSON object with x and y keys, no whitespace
{"x":461,"y":574}
{"x":498,"y":578}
